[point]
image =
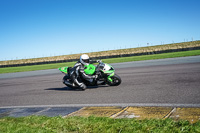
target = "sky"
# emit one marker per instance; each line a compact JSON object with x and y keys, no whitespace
{"x":43,"y":28}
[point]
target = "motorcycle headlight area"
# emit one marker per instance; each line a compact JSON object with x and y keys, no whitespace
{"x":107,"y":67}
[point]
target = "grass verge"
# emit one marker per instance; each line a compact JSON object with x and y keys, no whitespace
{"x":111,"y":60}
{"x":93,"y":124}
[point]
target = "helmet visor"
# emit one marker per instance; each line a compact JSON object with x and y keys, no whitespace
{"x":86,"y":60}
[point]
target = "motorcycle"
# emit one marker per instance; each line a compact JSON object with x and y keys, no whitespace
{"x":105,"y":71}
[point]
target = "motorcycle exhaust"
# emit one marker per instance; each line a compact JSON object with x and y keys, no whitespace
{"x":67,"y":83}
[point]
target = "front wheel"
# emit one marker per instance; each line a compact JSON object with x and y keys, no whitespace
{"x":116,"y":80}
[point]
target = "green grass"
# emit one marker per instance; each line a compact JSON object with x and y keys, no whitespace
{"x":154,"y":56}
{"x":44,"y":124}
{"x":34,"y":67}
{"x":111,"y":60}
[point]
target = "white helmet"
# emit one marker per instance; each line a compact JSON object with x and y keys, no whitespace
{"x":84,"y":59}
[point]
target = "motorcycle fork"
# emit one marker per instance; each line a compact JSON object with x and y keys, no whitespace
{"x":109,"y":77}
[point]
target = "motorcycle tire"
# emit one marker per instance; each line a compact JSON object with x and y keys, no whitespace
{"x":116,"y":80}
{"x":67,"y":78}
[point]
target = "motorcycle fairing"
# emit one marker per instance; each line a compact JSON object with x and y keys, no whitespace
{"x":63,"y":69}
{"x":89,"y":69}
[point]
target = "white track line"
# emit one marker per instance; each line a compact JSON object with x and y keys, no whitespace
{"x":109,"y":104}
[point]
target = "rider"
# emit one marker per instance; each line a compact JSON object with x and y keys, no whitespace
{"x":79,"y":71}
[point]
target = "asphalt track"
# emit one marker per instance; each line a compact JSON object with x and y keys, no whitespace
{"x":164,"y":82}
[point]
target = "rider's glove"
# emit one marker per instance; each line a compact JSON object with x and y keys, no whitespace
{"x":99,"y":61}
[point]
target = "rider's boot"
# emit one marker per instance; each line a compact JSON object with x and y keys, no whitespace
{"x":83,"y":86}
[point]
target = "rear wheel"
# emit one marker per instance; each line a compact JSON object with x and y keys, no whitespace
{"x":67,"y":81}
{"x":116,"y":80}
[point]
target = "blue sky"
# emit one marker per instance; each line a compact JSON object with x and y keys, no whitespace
{"x":41,"y":28}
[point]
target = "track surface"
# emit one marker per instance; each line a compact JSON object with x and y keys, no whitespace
{"x":169,"y":81}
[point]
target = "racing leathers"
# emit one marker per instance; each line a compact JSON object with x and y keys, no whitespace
{"x":78,"y":74}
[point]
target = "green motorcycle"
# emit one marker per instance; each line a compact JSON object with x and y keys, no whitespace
{"x":105,"y":71}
